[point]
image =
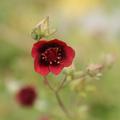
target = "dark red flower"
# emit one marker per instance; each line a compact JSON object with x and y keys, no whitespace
{"x":26,"y":96}
{"x":51,"y":56}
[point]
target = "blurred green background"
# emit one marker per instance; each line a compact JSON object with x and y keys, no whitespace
{"x":92,"y":27}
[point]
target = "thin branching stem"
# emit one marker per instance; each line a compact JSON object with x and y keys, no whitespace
{"x":47,"y":82}
{"x":62,"y":83}
{"x":62,"y":106}
{"x":56,"y":92}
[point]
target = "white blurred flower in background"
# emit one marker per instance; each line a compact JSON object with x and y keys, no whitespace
{"x":41,"y":105}
{"x":95,"y":23}
{"x":100,"y":23}
{"x":12,"y":85}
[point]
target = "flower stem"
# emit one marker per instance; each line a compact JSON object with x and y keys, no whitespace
{"x":48,"y":84}
{"x":62,"y":106}
{"x":56,"y":92}
{"x":62,"y":83}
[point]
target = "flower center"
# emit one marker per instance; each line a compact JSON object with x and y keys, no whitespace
{"x":52,"y":56}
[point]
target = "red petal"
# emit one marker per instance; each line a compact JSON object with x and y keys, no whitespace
{"x":56,"y":69}
{"x":59,"y":42}
{"x":43,"y":70}
{"x":70,"y":54}
{"x":36,"y":46}
{"x":34,"y":52}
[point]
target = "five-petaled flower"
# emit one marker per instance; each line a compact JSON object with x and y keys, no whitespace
{"x":26,"y":96}
{"x":51,"y":56}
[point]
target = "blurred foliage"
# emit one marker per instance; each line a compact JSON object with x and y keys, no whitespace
{"x":9,"y":54}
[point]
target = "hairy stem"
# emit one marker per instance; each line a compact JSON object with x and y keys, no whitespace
{"x":62,"y":83}
{"x":56,"y":92}
{"x":62,"y":106}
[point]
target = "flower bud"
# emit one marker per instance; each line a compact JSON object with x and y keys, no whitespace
{"x":94,"y":69}
{"x":42,"y":30}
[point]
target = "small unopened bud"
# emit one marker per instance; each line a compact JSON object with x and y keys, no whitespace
{"x":70,"y":72}
{"x":42,"y":29}
{"x":70,"y":69}
{"x":94,"y":69}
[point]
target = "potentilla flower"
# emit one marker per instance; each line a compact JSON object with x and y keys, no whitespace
{"x":26,"y":96}
{"x":51,"y":56}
